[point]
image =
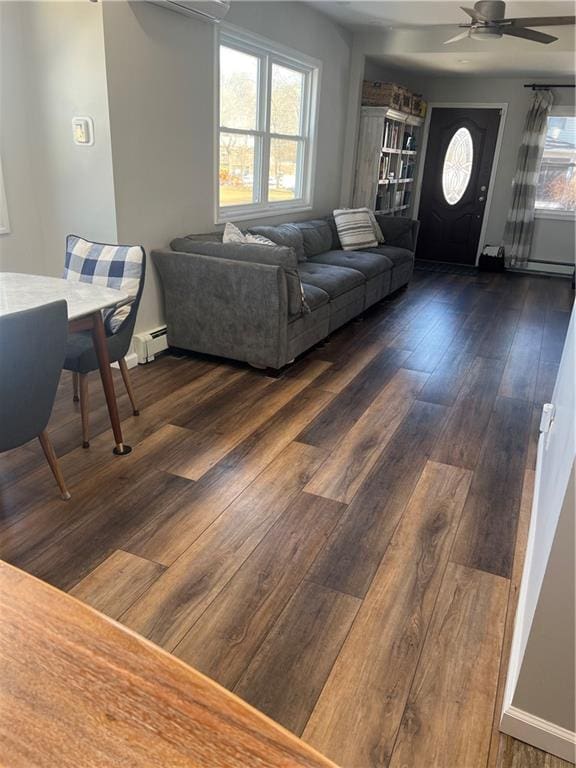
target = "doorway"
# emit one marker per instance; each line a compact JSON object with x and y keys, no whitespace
{"x":455,"y":183}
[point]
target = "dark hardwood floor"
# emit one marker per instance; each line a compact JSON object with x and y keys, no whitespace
{"x":340,"y":545}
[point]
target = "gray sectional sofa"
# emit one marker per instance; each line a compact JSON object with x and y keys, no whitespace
{"x":266,"y":305}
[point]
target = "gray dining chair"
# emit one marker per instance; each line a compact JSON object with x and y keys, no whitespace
{"x":122,"y":267}
{"x":32,"y":346}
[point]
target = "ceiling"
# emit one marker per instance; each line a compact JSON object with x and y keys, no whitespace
{"x":359,"y":14}
{"x":410,"y":34}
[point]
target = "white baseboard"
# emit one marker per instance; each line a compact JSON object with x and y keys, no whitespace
{"x":148,"y":344}
{"x":539,"y":733}
{"x":553,"y":270}
{"x":131,"y":360}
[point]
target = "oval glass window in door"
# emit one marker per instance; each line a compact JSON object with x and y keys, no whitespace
{"x":457,"y":167}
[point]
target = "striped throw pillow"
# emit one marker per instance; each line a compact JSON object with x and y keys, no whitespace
{"x":355,"y":229}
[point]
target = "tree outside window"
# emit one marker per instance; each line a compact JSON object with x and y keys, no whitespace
{"x":556,"y":190}
{"x":265,"y":126}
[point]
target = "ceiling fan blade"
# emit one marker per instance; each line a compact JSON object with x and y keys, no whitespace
{"x":461,"y":36}
{"x":528,"y":34}
{"x":542,"y":21}
{"x":473,"y":13}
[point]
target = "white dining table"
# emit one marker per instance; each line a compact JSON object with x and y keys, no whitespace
{"x":85,"y":302}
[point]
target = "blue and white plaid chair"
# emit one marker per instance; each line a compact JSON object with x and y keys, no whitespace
{"x":122,"y":267}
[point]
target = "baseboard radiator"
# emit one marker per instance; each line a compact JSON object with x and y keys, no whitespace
{"x":148,"y":344}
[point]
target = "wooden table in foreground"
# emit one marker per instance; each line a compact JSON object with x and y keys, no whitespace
{"x":85,"y":302}
{"x":79,"y":690}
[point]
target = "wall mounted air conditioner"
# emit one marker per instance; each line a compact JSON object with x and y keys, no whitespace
{"x":209,"y":10}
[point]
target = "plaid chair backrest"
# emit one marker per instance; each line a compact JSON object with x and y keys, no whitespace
{"x":113,"y":266}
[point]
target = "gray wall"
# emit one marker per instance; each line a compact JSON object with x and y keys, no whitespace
{"x":146,"y":76}
{"x":553,"y":238}
{"x":161,"y":77}
{"x":52,"y":69}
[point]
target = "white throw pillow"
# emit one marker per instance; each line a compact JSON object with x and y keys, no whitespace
{"x":355,"y":229}
{"x":234,"y":235}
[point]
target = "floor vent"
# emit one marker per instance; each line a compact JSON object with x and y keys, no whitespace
{"x":150,"y":343}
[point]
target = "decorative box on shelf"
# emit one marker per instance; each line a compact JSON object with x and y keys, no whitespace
{"x":418,"y":105}
{"x":377,"y":94}
{"x":405,"y":100}
{"x":394,"y":96}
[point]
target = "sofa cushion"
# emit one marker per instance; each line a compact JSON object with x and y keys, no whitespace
{"x":287,"y":235}
{"x":398,"y":231}
{"x":334,"y":280}
{"x":276,"y":255}
{"x":208,"y":237}
{"x":336,"y":244}
{"x":314,"y":297}
{"x":370,"y":264}
{"x":317,"y":236}
{"x":398,"y":256}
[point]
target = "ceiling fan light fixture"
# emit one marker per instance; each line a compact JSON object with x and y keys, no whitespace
{"x":485,"y":33}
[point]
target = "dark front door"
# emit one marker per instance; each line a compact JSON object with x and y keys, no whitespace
{"x":457,"y":169}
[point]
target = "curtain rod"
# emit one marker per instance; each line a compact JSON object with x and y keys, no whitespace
{"x":544,"y":86}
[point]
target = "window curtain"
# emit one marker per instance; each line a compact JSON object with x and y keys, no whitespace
{"x":520,"y":222}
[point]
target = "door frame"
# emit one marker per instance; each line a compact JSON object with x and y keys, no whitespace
{"x":420,"y":175}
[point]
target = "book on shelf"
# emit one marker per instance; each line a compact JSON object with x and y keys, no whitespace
{"x":391,"y":135}
{"x":384,"y":166}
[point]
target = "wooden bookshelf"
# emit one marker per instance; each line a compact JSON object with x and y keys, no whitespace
{"x":388,"y":148}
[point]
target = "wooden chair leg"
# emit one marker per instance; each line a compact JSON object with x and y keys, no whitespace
{"x":52,"y":460}
{"x":75,"y":398}
{"x":128,"y":385}
{"x":84,"y":410}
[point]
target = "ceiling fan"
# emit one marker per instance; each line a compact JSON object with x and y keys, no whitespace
{"x":488,"y":23}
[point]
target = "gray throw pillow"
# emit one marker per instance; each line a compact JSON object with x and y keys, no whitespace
{"x":283,"y":234}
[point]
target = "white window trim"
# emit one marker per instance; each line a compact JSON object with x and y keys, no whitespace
{"x":4,"y":220}
{"x":547,"y":213}
{"x":277,"y":53}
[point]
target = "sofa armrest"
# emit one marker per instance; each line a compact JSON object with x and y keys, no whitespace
{"x":399,"y":231}
{"x":227,"y":308}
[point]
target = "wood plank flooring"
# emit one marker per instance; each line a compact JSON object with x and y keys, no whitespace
{"x":340,"y":545}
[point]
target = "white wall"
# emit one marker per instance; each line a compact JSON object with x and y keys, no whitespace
{"x":52,"y":69}
{"x":545,"y":686}
{"x":160,"y":70}
{"x":19,"y":250}
{"x":539,"y":700}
